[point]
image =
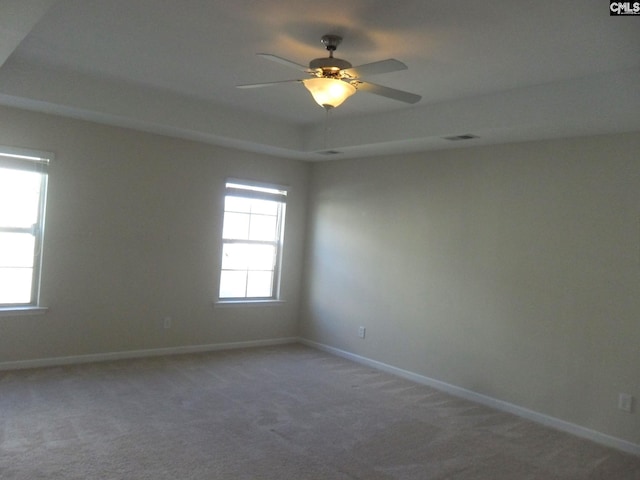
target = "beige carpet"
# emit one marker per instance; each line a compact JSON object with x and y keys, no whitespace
{"x":270,"y":413}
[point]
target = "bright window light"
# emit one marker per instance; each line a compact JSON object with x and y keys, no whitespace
{"x":23,"y":181}
{"x":252,"y":237}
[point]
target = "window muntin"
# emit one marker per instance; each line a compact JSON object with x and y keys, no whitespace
{"x":23,"y":182}
{"x":252,"y":235}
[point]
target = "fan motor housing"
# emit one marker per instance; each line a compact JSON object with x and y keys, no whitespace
{"x":329,"y":65}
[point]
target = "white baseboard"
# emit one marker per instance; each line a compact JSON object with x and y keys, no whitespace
{"x":537,"y":417}
{"x":130,"y":354}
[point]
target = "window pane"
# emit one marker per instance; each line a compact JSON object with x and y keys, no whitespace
{"x":237,"y":204}
{"x":263,"y":227}
{"x":245,"y":256}
{"x":233,"y":284}
{"x":19,"y":197}
{"x":261,"y":257}
{"x":15,"y":285}
{"x":16,"y":249}
{"x":259,"y":284}
{"x":235,"y":256}
{"x":265,"y":207}
{"x":236,"y":226}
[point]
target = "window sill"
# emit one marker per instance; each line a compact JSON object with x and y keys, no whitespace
{"x":247,"y":303}
{"x":20,"y":311}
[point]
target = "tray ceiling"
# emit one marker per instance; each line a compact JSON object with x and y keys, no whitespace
{"x":502,"y":71}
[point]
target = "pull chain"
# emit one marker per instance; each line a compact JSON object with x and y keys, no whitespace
{"x":326,"y":128}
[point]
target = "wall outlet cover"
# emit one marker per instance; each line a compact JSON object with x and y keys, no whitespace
{"x":625,"y":402}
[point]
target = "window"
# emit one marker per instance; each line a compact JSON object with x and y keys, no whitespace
{"x":252,"y":236}
{"x":23,"y":184}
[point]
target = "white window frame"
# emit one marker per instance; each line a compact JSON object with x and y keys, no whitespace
{"x":34,"y":161}
{"x":260,"y":191}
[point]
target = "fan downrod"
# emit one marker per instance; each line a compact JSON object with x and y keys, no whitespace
{"x":331,"y":43}
{"x":329,"y":67}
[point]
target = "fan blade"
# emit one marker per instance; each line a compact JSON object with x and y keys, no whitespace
{"x":283,"y":61}
{"x":389,"y":92}
{"x":383,"y":66}
{"x":267,"y":84}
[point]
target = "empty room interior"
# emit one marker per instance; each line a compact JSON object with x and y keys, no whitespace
{"x":295,"y":239}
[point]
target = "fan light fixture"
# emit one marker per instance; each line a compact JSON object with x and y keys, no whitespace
{"x":334,"y":79}
{"x":329,"y":92}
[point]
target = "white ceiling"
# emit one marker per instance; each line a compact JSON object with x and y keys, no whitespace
{"x":503,"y":70}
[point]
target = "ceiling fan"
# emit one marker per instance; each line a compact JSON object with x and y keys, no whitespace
{"x":333,"y":80}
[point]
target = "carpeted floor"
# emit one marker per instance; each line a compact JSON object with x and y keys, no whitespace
{"x":270,"y":413}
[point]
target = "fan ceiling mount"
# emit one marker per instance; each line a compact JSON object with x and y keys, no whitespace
{"x":332,"y":80}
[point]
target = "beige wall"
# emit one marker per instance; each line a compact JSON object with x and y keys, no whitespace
{"x":512,"y":271}
{"x":133,"y":235}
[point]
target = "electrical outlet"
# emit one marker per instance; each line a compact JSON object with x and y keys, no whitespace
{"x":625,"y":402}
{"x":361,"y":332}
{"x":167,"y":322}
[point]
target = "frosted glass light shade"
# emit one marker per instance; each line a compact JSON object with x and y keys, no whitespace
{"x":329,"y":92}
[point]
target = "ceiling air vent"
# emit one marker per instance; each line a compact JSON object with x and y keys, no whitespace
{"x":466,"y":136}
{"x":329,"y":152}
